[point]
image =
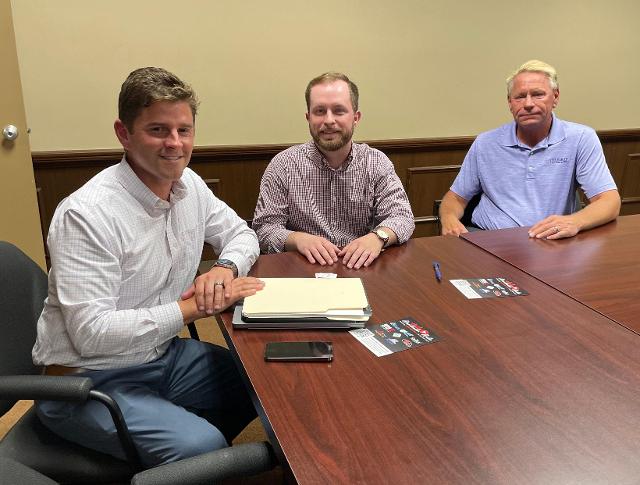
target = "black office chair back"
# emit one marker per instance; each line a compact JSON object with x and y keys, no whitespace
{"x":468,"y":210}
{"x":466,"y":217}
{"x":23,"y":289}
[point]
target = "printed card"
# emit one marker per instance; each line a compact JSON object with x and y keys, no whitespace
{"x":488,"y":288}
{"x":388,"y":338}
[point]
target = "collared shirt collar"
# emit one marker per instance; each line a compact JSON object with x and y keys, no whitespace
{"x":317,"y":157}
{"x":143,"y":194}
{"x":556,"y":135}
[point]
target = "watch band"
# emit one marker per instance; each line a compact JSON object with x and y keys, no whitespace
{"x":384,"y":239}
{"x":227,"y":263}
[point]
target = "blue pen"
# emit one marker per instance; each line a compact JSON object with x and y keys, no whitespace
{"x":436,"y":268}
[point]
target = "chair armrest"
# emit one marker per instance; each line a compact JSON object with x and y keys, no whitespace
{"x":193,"y":331}
{"x":235,"y":461}
{"x":69,"y":389}
{"x":51,"y":388}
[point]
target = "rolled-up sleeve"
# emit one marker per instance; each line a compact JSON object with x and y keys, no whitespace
{"x":272,"y":210}
{"x":392,"y":207}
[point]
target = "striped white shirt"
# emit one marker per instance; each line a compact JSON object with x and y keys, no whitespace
{"x":120,"y":258}
{"x":301,"y":192}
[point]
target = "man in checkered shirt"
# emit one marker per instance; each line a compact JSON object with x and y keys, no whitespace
{"x":331,"y":199}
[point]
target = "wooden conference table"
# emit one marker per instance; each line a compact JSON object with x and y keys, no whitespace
{"x":600,"y":267}
{"x":535,"y":389}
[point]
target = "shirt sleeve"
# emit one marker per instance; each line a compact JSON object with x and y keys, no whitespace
{"x":228,"y":233}
{"x":592,"y":171}
{"x":392,"y":207}
{"x":272,"y":209}
{"x":87,"y":272}
{"x":467,"y":182}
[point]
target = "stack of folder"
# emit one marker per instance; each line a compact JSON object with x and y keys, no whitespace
{"x":305,"y":303}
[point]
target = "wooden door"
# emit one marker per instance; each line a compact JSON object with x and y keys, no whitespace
{"x":19,"y":215}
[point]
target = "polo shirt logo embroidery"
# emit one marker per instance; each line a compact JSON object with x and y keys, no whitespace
{"x":558,"y":160}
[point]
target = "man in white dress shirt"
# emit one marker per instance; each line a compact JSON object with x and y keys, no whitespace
{"x":124,"y":250}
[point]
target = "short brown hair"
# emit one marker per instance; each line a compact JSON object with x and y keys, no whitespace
{"x":145,"y":86}
{"x":329,"y":77}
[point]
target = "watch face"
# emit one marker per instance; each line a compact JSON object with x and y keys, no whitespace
{"x":382,"y":234}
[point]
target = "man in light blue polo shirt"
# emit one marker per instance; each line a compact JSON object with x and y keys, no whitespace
{"x":528,"y":170}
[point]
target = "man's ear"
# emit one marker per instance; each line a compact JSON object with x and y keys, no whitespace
{"x":556,"y":97}
{"x":356,"y":117}
{"x":122,"y":133}
{"x":306,"y":115}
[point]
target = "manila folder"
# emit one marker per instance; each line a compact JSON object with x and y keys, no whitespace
{"x":307,"y":297}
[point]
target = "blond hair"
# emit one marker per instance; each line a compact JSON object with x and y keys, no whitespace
{"x":535,"y":65}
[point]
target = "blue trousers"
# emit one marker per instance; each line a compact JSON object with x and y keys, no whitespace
{"x":188,"y":402}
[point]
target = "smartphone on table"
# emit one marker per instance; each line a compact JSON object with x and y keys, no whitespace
{"x":299,"y":351}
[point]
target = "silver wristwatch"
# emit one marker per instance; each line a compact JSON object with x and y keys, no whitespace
{"x":382,"y":235}
{"x":227,"y":263}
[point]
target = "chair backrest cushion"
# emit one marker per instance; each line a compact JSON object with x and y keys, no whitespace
{"x":23,"y":289}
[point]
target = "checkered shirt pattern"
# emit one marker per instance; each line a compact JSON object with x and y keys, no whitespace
{"x":301,"y":192}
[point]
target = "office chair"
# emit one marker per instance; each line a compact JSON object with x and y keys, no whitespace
{"x":206,"y":469}
{"x":240,"y":460}
{"x":466,"y":216}
{"x":15,"y":473}
{"x":23,"y":288}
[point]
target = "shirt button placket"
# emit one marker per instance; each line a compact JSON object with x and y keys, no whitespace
{"x":173,"y":252}
{"x":531,"y":168}
{"x":332,"y":192}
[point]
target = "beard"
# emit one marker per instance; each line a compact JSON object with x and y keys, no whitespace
{"x":335,"y":144}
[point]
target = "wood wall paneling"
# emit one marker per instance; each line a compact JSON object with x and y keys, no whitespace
{"x":419,"y":164}
{"x":630,"y":184}
{"x":424,"y":186}
{"x":213,"y":185}
{"x":426,"y":168}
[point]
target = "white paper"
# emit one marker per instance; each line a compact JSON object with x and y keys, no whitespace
{"x":366,"y":337}
{"x":465,"y":288}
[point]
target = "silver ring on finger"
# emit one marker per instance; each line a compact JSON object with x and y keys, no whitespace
{"x":556,"y":230}
{"x":219,"y":283}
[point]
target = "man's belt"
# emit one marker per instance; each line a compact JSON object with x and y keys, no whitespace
{"x":61,"y":370}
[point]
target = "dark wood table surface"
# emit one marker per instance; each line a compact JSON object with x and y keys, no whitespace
{"x":536,"y":389}
{"x":600,"y":267}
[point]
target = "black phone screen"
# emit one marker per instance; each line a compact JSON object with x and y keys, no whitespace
{"x":299,"y":351}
